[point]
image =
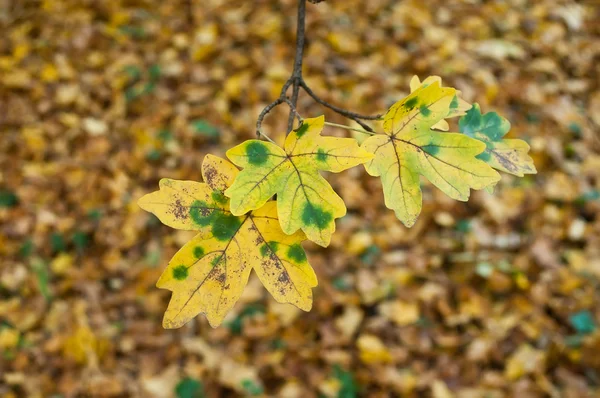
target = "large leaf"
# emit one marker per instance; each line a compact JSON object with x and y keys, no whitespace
{"x":208,"y":274}
{"x":305,"y":200}
{"x":508,"y":155}
{"x":410,"y":148}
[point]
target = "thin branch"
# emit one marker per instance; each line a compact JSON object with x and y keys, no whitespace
{"x":343,"y":112}
{"x":296,"y":81}
{"x":343,"y":126}
{"x":297,"y":72}
{"x":293,"y":110}
{"x":269,"y":108}
{"x":264,"y":113}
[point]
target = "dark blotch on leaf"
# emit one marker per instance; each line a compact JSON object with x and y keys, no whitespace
{"x":454,"y":103}
{"x":200,"y":214}
{"x":424,"y":110}
{"x":264,"y":250}
{"x":431,"y":149}
{"x":257,"y":153}
{"x":180,"y":272}
{"x":219,"y":197}
{"x":198,"y":251}
{"x":411,"y":103}
{"x":224,"y":226}
{"x":302,"y":130}
{"x":315,"y":215}
{"x":273,"y":245}
{"x":296,"y":253}
{"x":321,"y":155}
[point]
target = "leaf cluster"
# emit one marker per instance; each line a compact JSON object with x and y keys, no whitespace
{"x":256,"y":218}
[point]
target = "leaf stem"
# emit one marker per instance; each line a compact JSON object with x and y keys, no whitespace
{"x":343,"y":126}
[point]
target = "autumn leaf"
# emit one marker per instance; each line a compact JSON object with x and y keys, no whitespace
{"x":458,"y":106}
{"x":508,"y":155}
{"x":209,"y":273}
{"x":409,"y":148}
{"x":305,"y":200}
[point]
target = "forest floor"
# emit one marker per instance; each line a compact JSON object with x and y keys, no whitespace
{"x":99,"y":99}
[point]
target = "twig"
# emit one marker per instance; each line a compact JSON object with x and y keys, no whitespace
{"x":343,"y":112}
{"x":296,"y":81}
{"x":297,"y":72}
{"x":343,"y":126}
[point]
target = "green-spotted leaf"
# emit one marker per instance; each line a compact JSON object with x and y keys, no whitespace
{"x":508,"y":155}
{"x":305,"y":200}
{"x":208,"y":274}
{"x":410,"y":148}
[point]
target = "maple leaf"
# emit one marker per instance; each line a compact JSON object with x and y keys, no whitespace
{"x":409,"y":148}
{"x":209,"y":273}
{"x":508,"y":155}
{"x":305,"y":200}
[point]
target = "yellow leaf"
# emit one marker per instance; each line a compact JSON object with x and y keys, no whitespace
{"x":84,"y":346}
{"x":372,"y":350}
{"x":49,"y":74}
{"x":305,"y":200}
{"x":62,"y":263}
{"x":209,"y":273}
{"x":409,"y":148}
{"x":9,"y":338}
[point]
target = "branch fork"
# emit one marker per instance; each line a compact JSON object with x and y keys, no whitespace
{"x":296,"y":82}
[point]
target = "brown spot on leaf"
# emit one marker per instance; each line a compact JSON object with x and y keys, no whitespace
{"x":507,"y":162}
{"x":284,"y":277}
{"x":211,"y":174}
{"x":179,"y":211}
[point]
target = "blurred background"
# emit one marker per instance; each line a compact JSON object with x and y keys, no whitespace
{"x":99,"y":99}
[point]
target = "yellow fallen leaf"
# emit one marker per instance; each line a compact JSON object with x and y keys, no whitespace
{"x":372,"y":350}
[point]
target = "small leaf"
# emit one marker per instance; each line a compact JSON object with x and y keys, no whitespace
{"x":43,"y":278}
{"x":305,"y":200}
{"x":26,"y":248}
{"x":508,"y":155}
{"x":587,"y":197}
{"x":95,"y":214}
{"x":251,"y":387}
{"x":410,"y":148}
{"x":80,"y":240}
{"x":57,"y":243}
{"x":209,"y":273}
{"x":153,"y":155}
{"x":8,"y":199}
{"x":583,"y":322}
{"x":133,"y":71}
{"x":189,"y":388}
{"x":154,"y":71}
{"x":165,"y":135}
{"x":348,"y":386}
{"x":204,"y":128}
